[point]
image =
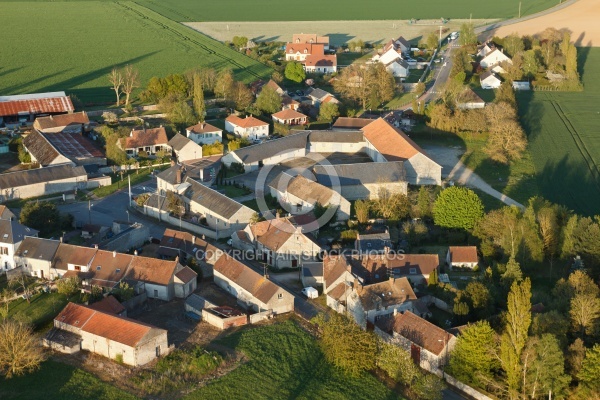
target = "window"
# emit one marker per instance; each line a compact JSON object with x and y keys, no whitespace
{"x":413,"y":271}
{"x":280,"y":296}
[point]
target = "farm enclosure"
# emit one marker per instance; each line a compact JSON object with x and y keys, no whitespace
{"x":565,"y":140}
{"x":73,"y":46}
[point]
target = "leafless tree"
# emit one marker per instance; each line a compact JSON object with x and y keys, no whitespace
{"x":131,"y":81}
{"x":20,"y":349}
{"x":117,"y":80}
{"x":19,"y":280}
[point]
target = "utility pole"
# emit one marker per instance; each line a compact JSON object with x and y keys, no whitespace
{"x":440,"y":36}
{"x":89,"y":211}
{"x":519,"y":9}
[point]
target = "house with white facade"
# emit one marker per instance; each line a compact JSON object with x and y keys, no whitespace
{"x":300,"y":51}
{"x":469,"y":100}
{"x":78,"y":327}
{"x":320,"y":96}
{"x":280,"y":244}
{"x":494,"y":58}
{"x":158,"y":278}
{"x":321,"y":63}
{"x":248,"y":127}
{"x":35,"y":256}
{"x":392,"y":57}
{"x":311,"y":38}
{"x":290,"y":117}
{"x":12,"y":234}
{"x":462,"y":256}
{"x":300,"y":195}
{"x":203,"y":133}
{"x":251,"y":289}
{"x":147,"y":140}
{"x":489,"y":80}
{"x":184,"y":148}
{"x":186,"y":246}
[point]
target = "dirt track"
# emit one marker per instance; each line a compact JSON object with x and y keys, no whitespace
{"x":581,"y":18}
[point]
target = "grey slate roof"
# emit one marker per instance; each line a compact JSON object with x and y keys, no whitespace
{"x":13,"y":232}
{"x":211,"y":199}
{"x":336,"y":136}
{"x":359,"y":174}
{"x":40,"y":148}
{"x":318,"y":93}
{"x":271,"y":148}
{"x":40,"y":175}
{"x":170,"y":174}
{"x":40,"y":249}
{"x":179,"y":141}
{"x":373,"y":241}
{"x":198,"y":302}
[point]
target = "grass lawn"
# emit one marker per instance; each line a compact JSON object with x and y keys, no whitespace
{"x":400,"y":100}
{"x":55,"y":380}
{"x":42,"y":309}
{"x":252,"y":204}
{"x":232,"y":191}
{"x":285,"y":362}
{"x":414,"y":75}
{"x":267,"y":10}
{"x":99,"y":36}
{"x":350,"y":57}
{"x":564,"y":140}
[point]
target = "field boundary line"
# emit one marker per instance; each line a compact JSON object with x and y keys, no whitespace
{"x":595,"y":172}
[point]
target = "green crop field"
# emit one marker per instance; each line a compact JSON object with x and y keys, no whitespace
{"x":324,"y":10}
{"x":285,"y":362}
{"x":565,"y":139}
{"x":72,"y":46}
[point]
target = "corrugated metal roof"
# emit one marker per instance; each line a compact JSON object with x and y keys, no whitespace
{"x":58,"y":104}
{"x":39,"y":175}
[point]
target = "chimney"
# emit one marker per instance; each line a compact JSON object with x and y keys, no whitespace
{"x":386,"y":250}
{"x":177,"y":259}
{"x":277,"y":215}
{"x":395,"y":312}
{"x":135,"y":252}
{"x":201,"y":172}
{"x":96,"y":246}
{"x":60,"y":239}
{"x":392,"y":280}
{"x":357,"y":286}
{"x":178,"y":178}
{"x":193,"y":239}
{"x":114,"y":253}
{"x":172,"y":162}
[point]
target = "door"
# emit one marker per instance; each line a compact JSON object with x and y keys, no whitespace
{"x":155,"y":293}
{"x":415,"y":354}
{"x":42,"y":273}
{"x":157,"y":351}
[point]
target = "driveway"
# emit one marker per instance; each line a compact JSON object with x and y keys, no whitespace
{"x":454,"y":170}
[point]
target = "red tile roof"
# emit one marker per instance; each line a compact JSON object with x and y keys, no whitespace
{"x":247,"y":122}
{"x":186,"y":275}
{"x":333,"y":267}
{"x":152,"y":270}
{"x":391,"y":142}
{"x":321,"y":60}
{"x":58,"y":104}
{"x":108,"y":305}
{"x":309,"y":38}
{"x":148,"y":137}
{"x":54,"y":121}
{"x":74,"y":315}
{"x":288,"y":114}
{"x":273,"y":233}
{"x":463,"y":254}
{"x":69,"y":254}
{"x":304,"y":48}
{"x":421,"y":332}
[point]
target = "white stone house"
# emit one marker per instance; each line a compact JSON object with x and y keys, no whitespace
{"x":150,"y":141}
{"x":280,"y":244}
{"x":321,"y":63}
{"x":300,"y":195}
{"x":12,"y":234}
{"x":398,"y":67}
{"x":249,"y":127}
{"x":489,"y":80}
{"x":300,"y":51}
{"x":203,"y":133}
{"x":462,"y":256}
{"x":290,"y":117}
{"x":35,"y":255}
{"x":251,"y":289}
{"x":184,"y":148}
{"x":108,"y":335}
{"x":157,"y":277}
{"x":494,"y":58}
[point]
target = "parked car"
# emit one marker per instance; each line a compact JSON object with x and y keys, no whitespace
{"x":299,"y":93}
{"x":310,"y":292}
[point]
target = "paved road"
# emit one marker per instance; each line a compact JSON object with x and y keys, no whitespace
{"x":114,"y":207}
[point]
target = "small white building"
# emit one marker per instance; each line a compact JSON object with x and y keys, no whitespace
{"x":184,"y":148}
{"x":12,"y":234}
{"x":157,"y":277}
{"x":489,"y":80}
{"x":462,"y":256}
{"x":521,"y":85}
{"x":321,"y":63}
{"x":203,"y":133}
{"x":494,"y":58}
{"x":398,"y":67}
{"x":249,"y":127}
{"x":469,"y":100}
{"x":35,"y":255}
{"x":290,"y":117}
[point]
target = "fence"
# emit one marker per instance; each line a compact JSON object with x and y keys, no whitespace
{"x":463,"y":387}
{"x":135,"y":302}
{"x":441,"y":304}
{"x":261,"y":316}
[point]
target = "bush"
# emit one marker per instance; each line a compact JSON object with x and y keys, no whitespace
{"x":281,"y":129}
{"x":119,"y":358}
{"x":68,"y":286}
{"x":349,"y":235}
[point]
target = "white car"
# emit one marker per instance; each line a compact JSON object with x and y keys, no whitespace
{"x":310,"y":292}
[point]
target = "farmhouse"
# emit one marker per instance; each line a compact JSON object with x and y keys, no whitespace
{"x":321,"y":63}
{"x":300,"y":51}
{"x":290,"y":117}
{"x":185,"y":149}
{"x":80,"y":327}
{"x":251,"y":289}
{"x":386,"y":143}
{"x":12,"y":234}
{"x":249,"y":127}
{"x":42,"y":181}
{"x":311,"y":38}
{"x":35,"y":256}
{"x":148,"y":141}
{"x":301,"y":195}
{"x":62,"y":148}
{"x":494,"y":58}
{"x":428,"y":344}
{"x":24,"y":108}
{"x":221,"y":212}
{"x":203,"y":133}
{"x":489,"y":80}
{"x":462,"y":256}
{"x":377,"y":267}
{"x":280,"y":244}
{"x":203,"y":170}
{"x":158,"y":278}
{"x":469,"y":100}
{"x":62,"y":123}
{"x":364,"y":181}
{"x":187,"y":246}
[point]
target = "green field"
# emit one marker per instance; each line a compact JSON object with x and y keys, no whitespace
{"x":324,"y":10}
{"x":72,"y":46}
{"x":286,"y":363}
{"x":58,"y":381}
{"x":565,"y":139}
